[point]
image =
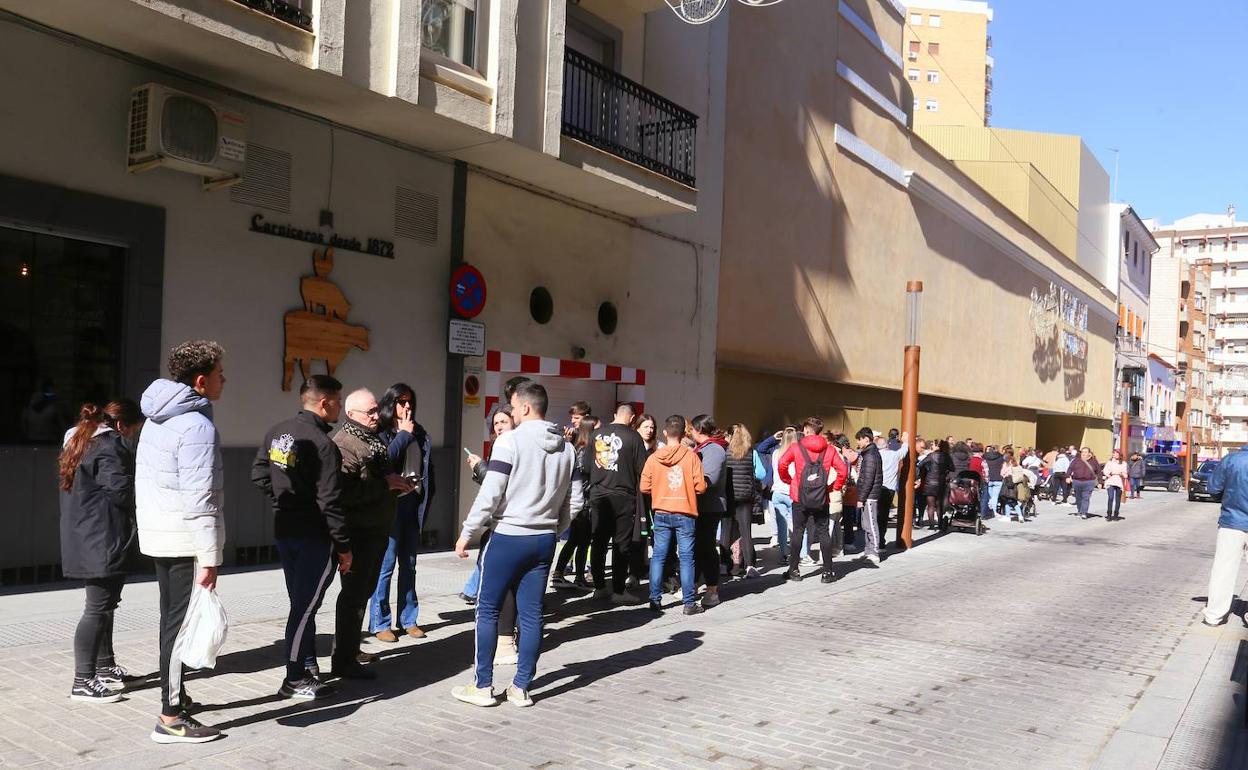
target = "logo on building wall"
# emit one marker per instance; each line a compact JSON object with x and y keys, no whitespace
{"x":320,"y":331}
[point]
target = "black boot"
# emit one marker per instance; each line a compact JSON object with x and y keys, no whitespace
{"x":794,"y":575}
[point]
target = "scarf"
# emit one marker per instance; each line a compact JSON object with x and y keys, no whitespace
{"x":376,"y":446}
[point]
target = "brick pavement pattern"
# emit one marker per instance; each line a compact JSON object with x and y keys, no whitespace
{"x":1024,"y":648}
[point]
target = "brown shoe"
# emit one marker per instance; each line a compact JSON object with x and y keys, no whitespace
{"x":366,"y":657}
{"x":386,"y":636}
{"x":415,"y":632}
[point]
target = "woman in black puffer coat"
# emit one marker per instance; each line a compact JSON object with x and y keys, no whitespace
{"x":740,"y":522}
{"x":934,"y":472}
{"x":98,"y":536}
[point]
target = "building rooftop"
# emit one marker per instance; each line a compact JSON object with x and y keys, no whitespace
{"x":954,"y":6}
{"x":1200,"y":222}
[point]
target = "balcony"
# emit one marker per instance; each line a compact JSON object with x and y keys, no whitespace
{"x":1230,"y":307}
{"x":290,"y":11}
{"x":1229,"y":332}
{"x":606,"y":110}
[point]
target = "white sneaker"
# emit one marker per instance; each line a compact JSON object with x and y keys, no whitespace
{"x":518,"y":697}
{"x":477,"y":696}
{"x":874,"y":559}
{"x":806,"y":561}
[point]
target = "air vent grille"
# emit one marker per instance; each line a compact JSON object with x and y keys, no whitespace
{"x":138,"y":121}
{"x":266,"y":180}
{"x":416,"y":215}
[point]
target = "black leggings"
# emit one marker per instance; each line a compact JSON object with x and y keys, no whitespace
{"x":93,"y":641}
{"x":706,"y":548}
{"x":579,"y":535}
{"x":740,"y":526}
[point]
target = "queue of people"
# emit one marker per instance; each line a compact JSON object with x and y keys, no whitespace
{"x":349,"y":478}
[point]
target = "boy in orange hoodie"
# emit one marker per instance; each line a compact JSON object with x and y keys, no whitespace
{"x":673,"y":478}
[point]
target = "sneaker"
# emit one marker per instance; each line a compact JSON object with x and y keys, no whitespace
{"x":93,"y":691}
{"x":114,"y":677}
{"x":808,"y":562}
{"x":504,"y":658}
{"x":794,"y":576}
{"x":872,"y":559}
{"x":1205,"y":621}
{"x":471,"y":601}
{"x":631,"y":583}
{"x":518,"y":697}
{"x":694,"y":609}
{"x":710,"y":600}
{"x":386,"y":636}
{"x":752,"y":572}
{"x":602,"y":593}
{"x":827,"y":577}
{"x":655,"y":606}
{"x":625,"y":598}
{"x":308,"y":688}
{"x":351,"y":669}
{"x":184,"y":729}
{"x":477,"y":696}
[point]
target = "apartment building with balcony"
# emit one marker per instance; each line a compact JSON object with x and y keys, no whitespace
{"x":948,"y":62}
{"x":570,"y":151}
{"x":1017,"y":338}
{"x":1133,"y":380}
{"x":1221,"y":242}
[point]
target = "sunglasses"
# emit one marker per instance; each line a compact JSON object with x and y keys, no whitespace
{"x":374,"y":410}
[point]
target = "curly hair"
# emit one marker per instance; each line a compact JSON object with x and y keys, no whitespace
{"x":191,"y":359}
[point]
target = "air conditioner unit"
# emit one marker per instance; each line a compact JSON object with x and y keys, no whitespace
{"x":176,"y":130}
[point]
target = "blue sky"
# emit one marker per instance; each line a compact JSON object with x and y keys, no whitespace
{"x":1160,"y":81}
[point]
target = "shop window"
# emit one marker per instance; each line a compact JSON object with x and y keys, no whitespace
{"x":541,"y":305}
{"x":449,"y":28}
{"x":61,"y":326}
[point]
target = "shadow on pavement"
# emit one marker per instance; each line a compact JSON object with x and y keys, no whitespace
{"x":586,"y":673}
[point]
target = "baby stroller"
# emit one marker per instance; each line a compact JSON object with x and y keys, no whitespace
{"x":962,"y":504}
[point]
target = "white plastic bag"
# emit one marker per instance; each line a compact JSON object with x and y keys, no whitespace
{"x":203,"y":631}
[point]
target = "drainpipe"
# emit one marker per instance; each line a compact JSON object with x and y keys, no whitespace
{"x":452,"y":425}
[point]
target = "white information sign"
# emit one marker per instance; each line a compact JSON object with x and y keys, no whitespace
{"x":466,"y":338}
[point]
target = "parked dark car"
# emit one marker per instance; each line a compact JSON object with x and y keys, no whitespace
{"x":1162,"y":470}
{"x":1198,"y":486}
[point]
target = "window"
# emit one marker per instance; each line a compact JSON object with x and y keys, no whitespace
{"x":449,"y":28}
{"x":916,"y":19}
{"x":63,"y":317}
{"x":912,"y":75}
{"x":914,"y":50}
{"x":933,"y":49}
{"x":916,"y":105}
{"x":1135,"y":255}
{"x":933,"y":76}
{"x":932,"y":105}
{"x":934,"y":20}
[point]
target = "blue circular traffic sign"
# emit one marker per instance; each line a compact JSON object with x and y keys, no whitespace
{"x":468,"y":291}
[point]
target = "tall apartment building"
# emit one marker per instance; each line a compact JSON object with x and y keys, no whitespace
{"x":948,"y":65}
{"x":1222,"y":242}
{"x":1182,"y":314}
{"x":1140,"y":382}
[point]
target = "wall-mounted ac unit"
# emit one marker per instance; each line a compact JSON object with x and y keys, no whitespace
{"x":176,"y":130}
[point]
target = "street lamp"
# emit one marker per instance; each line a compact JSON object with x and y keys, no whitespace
{"x":910,"y":403}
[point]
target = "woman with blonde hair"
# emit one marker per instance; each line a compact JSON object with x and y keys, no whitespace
{"x":781,"y":497}
{"x":740,"y":521}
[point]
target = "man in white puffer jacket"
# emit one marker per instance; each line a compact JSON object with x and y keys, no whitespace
{"x":178,"y":491}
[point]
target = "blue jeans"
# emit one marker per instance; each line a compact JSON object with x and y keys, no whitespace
{"x":520,"y":563}
{"x":667,"y":526}
{"x":401,"y":557}
{"x":994,"y":492}
{"x":782,"y":508}
{"x":1083,"y":495}
{"x":308,"y":565}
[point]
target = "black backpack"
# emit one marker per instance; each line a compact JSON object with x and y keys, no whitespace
{"x":812,"y":488}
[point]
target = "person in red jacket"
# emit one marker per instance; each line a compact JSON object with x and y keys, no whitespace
{"x":813,"y":447}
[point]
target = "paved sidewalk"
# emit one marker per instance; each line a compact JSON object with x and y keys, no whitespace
{"x":1039,"y":645}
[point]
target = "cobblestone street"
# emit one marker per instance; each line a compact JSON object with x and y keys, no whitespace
{"x":1028,"y":647}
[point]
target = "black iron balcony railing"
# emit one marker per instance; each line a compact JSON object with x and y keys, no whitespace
{"x":604,"y":109}
{"x":289,"y":11}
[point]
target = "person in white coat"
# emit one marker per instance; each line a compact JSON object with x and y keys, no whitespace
{"x":178,"y":486}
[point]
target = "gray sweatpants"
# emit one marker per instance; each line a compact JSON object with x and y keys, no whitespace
{"x":871,"y":526}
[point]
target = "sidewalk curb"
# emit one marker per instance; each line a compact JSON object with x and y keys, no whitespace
{"x":1142,"y":740}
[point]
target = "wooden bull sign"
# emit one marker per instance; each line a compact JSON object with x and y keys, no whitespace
{"x":320,"y":332}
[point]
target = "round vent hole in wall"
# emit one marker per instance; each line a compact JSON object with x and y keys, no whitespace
{"x":608,"y":318}
{"x":541,"y":305}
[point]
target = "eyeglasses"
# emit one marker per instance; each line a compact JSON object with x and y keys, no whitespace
{"x":374,"y":410}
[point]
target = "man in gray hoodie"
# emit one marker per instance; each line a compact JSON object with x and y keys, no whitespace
{"x":530,"y":492}
{"x":178,"y":487}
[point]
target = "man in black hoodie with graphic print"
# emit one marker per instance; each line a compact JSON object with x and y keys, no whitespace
{"x":614,"y":460}
{"x":298,"y":468}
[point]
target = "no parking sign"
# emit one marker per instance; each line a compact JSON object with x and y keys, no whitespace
{"x":468,"y":291}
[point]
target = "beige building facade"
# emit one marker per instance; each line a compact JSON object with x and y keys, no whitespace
{"x":948,"y":61}
{"x":1017,"y":339}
